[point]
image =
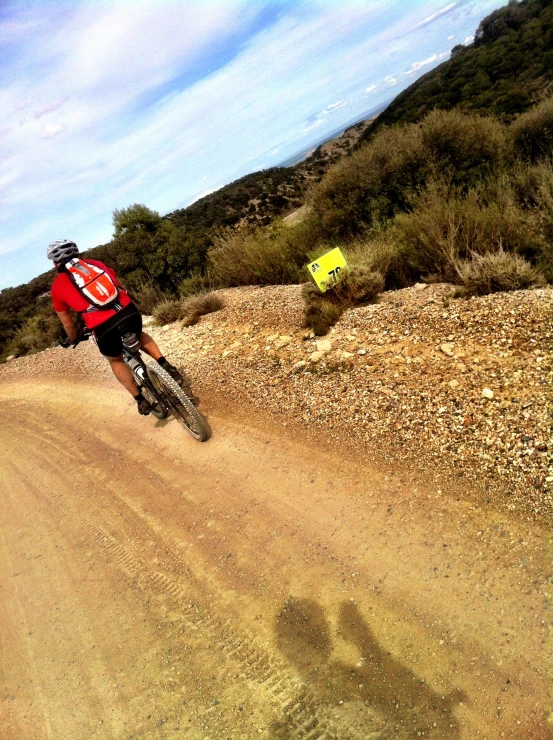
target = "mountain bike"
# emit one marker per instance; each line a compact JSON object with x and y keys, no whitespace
{"x":164,"y":393}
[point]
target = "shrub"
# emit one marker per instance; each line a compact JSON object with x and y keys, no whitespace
{"x":147,"y":296}
{"x":498,"y":271}
{"x":37,"y":333}
{"x":358,"y":286}
{"x":443,"y":229}
{"x":532,"y":132}
{"x":168,"y":311}
{"x":320,"y":313}
{"x":365,"y":190}
{"x":194,"y":284}
{"x":463,"y":147}
{"x":272,"y":256}
{"x":200,"y":305}
{"x":371,"y":185}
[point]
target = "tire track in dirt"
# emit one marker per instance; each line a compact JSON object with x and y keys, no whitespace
{"x":242,"y":650}
{"x":173,"y":569}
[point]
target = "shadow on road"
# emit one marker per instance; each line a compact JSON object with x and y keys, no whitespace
{"x":378,"y":681}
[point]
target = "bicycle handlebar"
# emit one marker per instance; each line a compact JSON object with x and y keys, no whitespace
{"x":82,"y":337}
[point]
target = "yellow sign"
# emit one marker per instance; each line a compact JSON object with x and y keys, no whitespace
{"x":326,"y":270}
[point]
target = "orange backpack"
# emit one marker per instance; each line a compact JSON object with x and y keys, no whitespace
{"x":94,"y":284}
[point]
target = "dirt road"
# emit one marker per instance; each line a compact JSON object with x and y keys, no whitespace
{"x":250,"y":587}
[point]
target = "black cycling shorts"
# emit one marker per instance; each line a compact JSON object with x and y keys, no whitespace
{"x":108,"y":335}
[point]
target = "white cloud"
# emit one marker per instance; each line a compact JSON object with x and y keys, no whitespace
{"x":93,"y":118}
{"x":56,"y":105}
{"x":468,"y":40}
{"x":450,"y":38}
{"x":435,"y":16}
{"x":335,"y":106}
{"x":50,"y":130}
{"x":416,"y":66}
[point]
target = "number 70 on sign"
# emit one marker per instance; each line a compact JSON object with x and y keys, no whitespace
{"x":326,"y":270}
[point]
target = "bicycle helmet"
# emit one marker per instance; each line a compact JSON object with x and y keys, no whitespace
{"x":62,"y":250}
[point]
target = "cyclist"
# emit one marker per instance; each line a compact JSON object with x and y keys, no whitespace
{"x":108,"y":324}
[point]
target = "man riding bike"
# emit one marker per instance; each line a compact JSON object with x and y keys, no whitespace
{"x":108,"y":322}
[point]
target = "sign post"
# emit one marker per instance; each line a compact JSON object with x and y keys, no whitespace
{"x":327,"y":270}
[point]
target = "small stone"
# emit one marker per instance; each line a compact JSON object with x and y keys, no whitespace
{"x":487,"y":393}
{"x":361,"y":352}
{"x":447,"y":349}
{"x":420,"y":286}
{"x":10,"y":358}
{"x":324,"y":345}
{"x":316,"y":356}
{"x":453,"y":384}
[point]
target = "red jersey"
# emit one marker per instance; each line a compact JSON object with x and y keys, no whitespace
{"x":65,"y":296}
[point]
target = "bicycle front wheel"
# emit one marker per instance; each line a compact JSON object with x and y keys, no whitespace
{"x":176,"y":399}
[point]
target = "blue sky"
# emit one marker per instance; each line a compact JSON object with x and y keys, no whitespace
{"x":105,"y":104}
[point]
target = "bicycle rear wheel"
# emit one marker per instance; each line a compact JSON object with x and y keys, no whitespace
{"x":178,"y":402}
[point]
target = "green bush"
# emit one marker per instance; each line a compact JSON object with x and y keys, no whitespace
{"x":272,"y":256}
{"x":194,"y":284}
{"x":498,"y":271}
{"x":373,"y":184}
{"x":532,"y":132}
{"x":363,"y":191}
{"x":444,"y":229}
{"x":37,"y":333}
{"x":464,"y":147}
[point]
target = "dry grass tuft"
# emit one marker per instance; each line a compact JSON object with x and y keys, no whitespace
{"x":200,"y":305}
{"x":498,"y":271}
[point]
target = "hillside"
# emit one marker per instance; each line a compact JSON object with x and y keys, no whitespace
{"x":507,"y":69}
{"x":253,"y":200}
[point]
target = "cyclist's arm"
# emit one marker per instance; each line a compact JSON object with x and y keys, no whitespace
{"x":68,"y":325}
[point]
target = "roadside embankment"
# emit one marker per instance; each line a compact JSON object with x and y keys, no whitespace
{"x":455,"y":389}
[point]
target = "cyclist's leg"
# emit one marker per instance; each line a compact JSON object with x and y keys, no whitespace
{"x":123,"y":374}
{"x":149,"y":346}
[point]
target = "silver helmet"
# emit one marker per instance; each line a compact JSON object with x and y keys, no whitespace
{"x":62,"y":250}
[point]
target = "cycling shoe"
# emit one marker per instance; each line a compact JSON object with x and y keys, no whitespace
{"x":144,"y":407}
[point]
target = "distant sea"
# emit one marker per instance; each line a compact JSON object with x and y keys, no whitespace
{"x":304,"y":153}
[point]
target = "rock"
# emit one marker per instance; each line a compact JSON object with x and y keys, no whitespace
{"x":299,"y":366}
{"x":361,"y":352}
{"x":308,"y":335}
{"x":324,"y":345}
{"x":283,"y":341}
{"x":460,"y":367}
{"x":447,"y":349}
{"x":487,"y":393}
{"x":453,"y":383}
{"x":351,"y":338}
{"x":346,"y":355}
{"x":316,"y":356}
{"x":420,"y":286}
{"x":10,"y":358}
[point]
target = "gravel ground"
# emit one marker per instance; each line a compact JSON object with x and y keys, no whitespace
{"x":458,"y":389}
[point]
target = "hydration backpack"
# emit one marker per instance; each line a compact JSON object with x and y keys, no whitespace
{"x":94,"y":284}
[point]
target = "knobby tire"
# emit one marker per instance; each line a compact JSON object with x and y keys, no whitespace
{"x":182,"y":407}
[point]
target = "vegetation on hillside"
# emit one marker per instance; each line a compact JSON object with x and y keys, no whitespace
{"x":437,"y":191}
{"x":507,"y":69}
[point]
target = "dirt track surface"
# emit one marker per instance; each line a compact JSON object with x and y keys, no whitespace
{"x":250,"y":587}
